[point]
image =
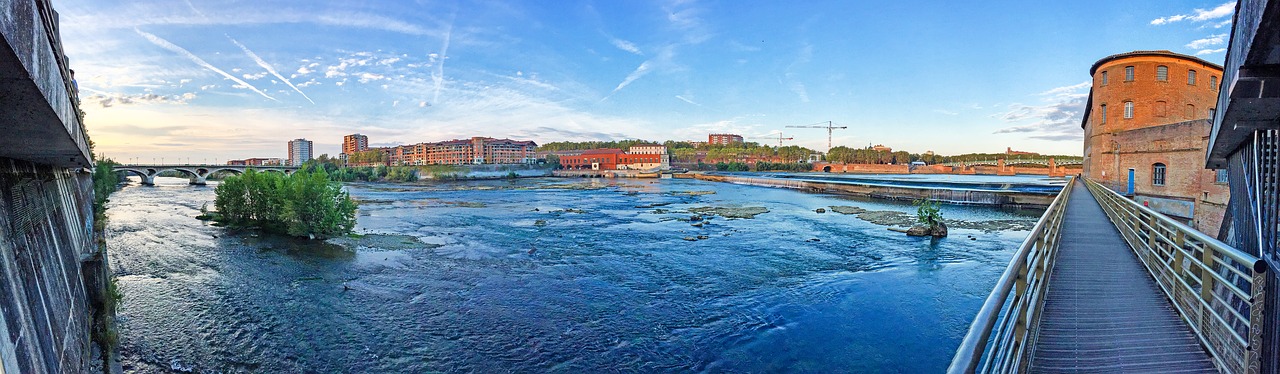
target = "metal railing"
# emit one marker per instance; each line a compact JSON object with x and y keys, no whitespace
{"x":1005,"y":327}
{"x":1217,"y":289}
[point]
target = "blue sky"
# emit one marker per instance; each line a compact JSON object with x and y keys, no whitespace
{"x":219,"y":79}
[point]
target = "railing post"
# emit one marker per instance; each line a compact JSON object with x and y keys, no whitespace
{"x":1177,"y":254}
{"x":1206,"y":274}
{"x":1253,"y":352}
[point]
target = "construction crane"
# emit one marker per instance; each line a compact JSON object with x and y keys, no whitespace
{"x":780,"y":138}
{"x":831,"y":126}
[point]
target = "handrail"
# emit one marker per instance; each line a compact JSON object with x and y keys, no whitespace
{"x":1015,"y":302}
{"x":1217,"y":289}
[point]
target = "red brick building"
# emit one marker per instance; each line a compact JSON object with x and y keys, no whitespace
{"x":724,"y":139}
{"x":477,"y":150}
{"x":610,"y":159}
{"x":1146,"y":129}
{"x":354,"y":143}
{"x":258,"y":161}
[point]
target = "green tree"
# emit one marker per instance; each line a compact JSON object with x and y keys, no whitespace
{"x":306,"y":204}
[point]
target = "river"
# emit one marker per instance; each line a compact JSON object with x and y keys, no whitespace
{"x":561,"y":275}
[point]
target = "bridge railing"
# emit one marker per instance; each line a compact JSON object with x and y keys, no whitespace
{"x":1004,"y":328}
{"x":1217,"y":289}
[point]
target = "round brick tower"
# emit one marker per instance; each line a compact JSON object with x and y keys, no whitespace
{"x":1142,"y":89}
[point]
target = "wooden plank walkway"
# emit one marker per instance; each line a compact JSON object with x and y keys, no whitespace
{"x":1103,"y":312}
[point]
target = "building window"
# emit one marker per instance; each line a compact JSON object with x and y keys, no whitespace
{"x":1157,"y":174}
{"x":1191,"y":77}
{"x":1161,"y":108}
{"x":1128,"y":109}
{"x":1220,"y":176}
{"x":1103,"y":109}
{"x":1104,"y":78}
{"x":1162,"y":73}
{"x":1213,"y":82}
{"x":1128,"y":74}
{"x":1191,"y":111}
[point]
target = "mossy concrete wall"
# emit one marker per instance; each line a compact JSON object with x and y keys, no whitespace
{"x":46,"y":233}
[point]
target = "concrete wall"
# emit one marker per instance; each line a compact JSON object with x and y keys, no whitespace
{"x":489,"y":171}
{"x":41,"y":118}
{"x":46,"y":230}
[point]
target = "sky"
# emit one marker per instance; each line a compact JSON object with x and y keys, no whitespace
{"x":212,"y":80}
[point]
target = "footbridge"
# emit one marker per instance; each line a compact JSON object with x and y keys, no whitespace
{"x":198,"y":173}
{"x":1103,"y":284}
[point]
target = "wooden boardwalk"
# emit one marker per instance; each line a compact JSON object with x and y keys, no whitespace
{"x":1103,"y":312}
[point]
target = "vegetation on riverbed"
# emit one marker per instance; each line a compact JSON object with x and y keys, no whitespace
{"x":306,"y":204}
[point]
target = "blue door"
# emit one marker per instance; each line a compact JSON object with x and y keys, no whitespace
{"x":1130,"y":183}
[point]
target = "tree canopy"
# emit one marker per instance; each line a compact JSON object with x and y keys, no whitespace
{"x":305,"y":204}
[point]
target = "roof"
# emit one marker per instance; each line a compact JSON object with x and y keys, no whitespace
{"x":1094,"y":68}
{"x":601,"y":151}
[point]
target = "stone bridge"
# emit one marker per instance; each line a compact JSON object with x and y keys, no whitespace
{"x":1047,"y":161}
{"x":198,"y":173}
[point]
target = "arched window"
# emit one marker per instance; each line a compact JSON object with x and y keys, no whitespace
{"x":1191,"y":111}
{"x":1104,"y":78}
{"x":1128,"y":73}
{"x":1157,"y":174}
{"x":1128,"y":109}
{"x":1162,"y":73}
{"x":1103,"y":109}
{"x":1191,"y":77}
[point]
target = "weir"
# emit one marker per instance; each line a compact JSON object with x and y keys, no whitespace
{"x":998,"y":194}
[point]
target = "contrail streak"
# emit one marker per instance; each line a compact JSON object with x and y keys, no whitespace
{"x":438,"y":75}
{"x":265,"y":65}
{"x":179,"y":50}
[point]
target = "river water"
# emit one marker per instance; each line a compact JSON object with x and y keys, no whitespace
{"x":560,"y":275}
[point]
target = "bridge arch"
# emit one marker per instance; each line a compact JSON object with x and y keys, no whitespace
{"x":198,"y":174}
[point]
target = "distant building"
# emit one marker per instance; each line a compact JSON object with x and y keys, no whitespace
{"x":652,"y":149}
{"x":354,"y":143}
{"x":477,"y":150}
{"x":1146,"y":133}
{"x":258,"y":161}
{"x":724,"y":139}
{"x":611,"y":159}
{"x":1010,"y":152}
{"x":882,"y":148}
{"x":299,"y":151}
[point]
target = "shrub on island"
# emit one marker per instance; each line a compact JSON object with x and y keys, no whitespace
{"x":305,"y":204}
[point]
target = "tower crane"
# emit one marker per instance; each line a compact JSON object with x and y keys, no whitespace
{"x":780,"y":138}
{"x":831,"y":126}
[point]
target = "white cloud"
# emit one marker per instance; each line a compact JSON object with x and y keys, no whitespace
{"x":947,"y":112}
{"x":687,"y":100}
{"x":1210,"y":51}
{"x":108,"y":100}
{"x":1208,"y":41}
{"x":1200,"y":15}
{"x":253,"y":77}
{"x":370,"y":77}
{"x":626,"y":46}
{"x":1057,"y":119}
